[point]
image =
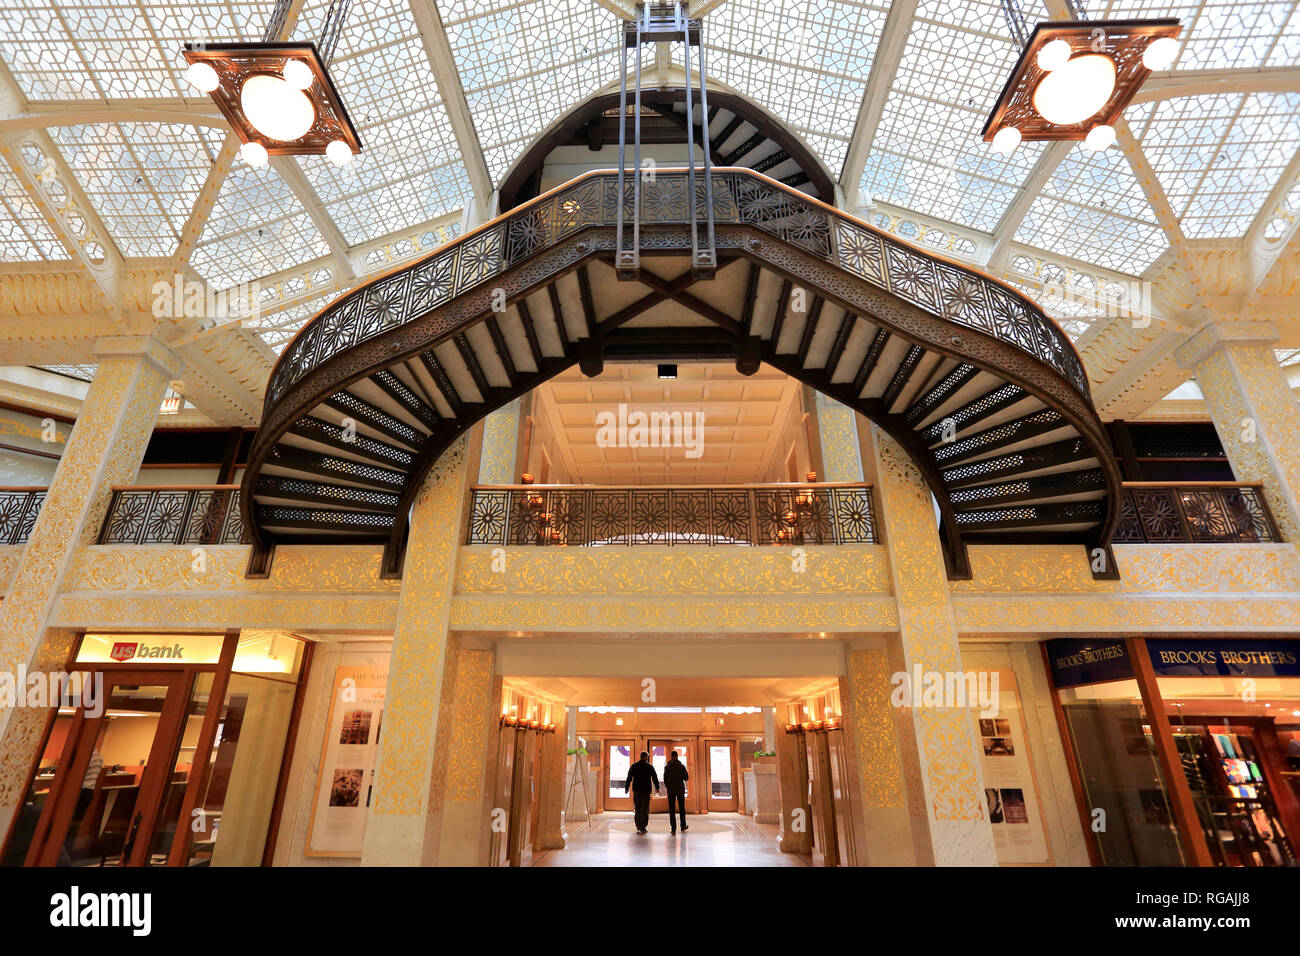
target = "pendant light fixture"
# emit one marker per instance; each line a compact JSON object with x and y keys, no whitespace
{"x":278,"y":96}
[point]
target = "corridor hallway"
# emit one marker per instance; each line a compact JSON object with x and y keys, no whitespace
{"x":714,"y":839}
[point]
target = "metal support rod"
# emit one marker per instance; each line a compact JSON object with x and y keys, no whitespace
{"x":708,"y":163}
{"x":690,"y":150}
{"x":622,"y":144}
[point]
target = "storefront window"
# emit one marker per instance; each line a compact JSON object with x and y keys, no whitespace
{"x":237,"y":794}
{"x":1126,"y":797}
{"x":1232,"y":707}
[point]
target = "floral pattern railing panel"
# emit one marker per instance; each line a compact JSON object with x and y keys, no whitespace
{"x":1200,"y":514}
{"x":18,"y":510}
{"x":954,"y":292}
{"x":815,"y":514}
{"x":174,"y":516}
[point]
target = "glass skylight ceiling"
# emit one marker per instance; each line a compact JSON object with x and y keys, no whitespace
{"x":522,"y":64}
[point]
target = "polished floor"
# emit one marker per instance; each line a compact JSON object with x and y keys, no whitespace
{"x":714,"y":839}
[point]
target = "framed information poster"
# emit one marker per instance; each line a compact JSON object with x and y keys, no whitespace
{"x":1012,"y":798}
{"x":346,"y":780}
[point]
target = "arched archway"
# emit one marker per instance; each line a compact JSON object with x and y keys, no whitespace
{"x":985,"y":392}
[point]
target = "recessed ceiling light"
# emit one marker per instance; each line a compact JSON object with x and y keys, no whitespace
{"x":667,"y":371}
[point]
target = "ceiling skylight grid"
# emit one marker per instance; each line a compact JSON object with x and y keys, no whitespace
{"x":1219,"y":156}
{"x":142,"y":178}
{"x":927,"y":153}
{"x":1221,"y":34}
{"x":522,"y":65}
{"x":256,"y":227}
{"x":83,"y":49}
{"x":1093,"y":209}
{"x":805,"y":60}
{"x":410,"y":169}
{"x":25,"y":236}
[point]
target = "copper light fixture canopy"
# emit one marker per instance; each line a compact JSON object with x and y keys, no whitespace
{"x":1122,"y":41}
{"x":235,"y":63}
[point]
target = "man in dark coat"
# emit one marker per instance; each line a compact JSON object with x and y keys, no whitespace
{"x":639,"y":778}
{"x":675,"y":777}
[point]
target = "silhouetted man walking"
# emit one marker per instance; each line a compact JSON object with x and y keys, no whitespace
{"x":639,"y":778}
{"x":675,"y":777}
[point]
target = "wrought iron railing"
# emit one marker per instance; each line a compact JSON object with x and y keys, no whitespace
{"x":741,"y":197}
{"x":18,"y":510}
{"x":1197,"y":512}
{"x":739,"y":515}
{"x":206,"y":514}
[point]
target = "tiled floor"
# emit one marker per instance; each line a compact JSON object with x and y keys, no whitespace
{"x":714,"y":839}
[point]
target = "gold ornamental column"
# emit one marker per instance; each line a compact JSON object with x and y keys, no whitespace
{"x":464,"y":801}
{"x":1254,"y":411}
{"x":873,"y":726}
{"x":421,"y":676}
{"x":941,"y":760}
{"x":105,"y":449}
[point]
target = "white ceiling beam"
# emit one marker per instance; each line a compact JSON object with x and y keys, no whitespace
{"x":1005,"y":231}
{"x":99,"y":114}
{"x":438,"y":50}
{"x":1261,"y":255}
{"x":880,"y":82}
{"x":292,"y":175}
{"x":1168,"y":85}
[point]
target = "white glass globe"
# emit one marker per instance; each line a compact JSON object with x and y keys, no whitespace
{"x":1099,"y":138}
{"x":275,"y":108}
{"x":203,"y":76}
{"x":339,"y":153}
{"x":298,"y":74}
{"x":254,"y":154}
{"x":1076,"y":91}
{"x":1160,"y":54}
{"x":1006,"y":140}
{"x":1054,"y":55}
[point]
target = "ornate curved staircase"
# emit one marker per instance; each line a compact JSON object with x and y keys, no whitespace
{"x":986,"y":392}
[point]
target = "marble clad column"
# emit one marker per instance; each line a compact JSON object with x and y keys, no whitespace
{"x":465,"y":797}
{"x":1253,"y":409}
{"x":105,"y":448}
{"x":941,"y":759}
{"x":872,"y":724}
{"x":423,"y":664}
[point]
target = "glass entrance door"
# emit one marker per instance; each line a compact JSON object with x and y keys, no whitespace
{"x":659,"y":752}
{"x":722,"y":795}
{"x":619,"y":757}
{"x":114,"y":788}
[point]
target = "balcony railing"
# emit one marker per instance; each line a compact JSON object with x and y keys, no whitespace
{"x":198,"y":514}
{"x":18,"y":510}
{"x":1195,"y":513}
{"x":738,"y":515}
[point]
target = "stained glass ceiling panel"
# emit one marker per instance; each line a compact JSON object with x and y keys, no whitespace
{"x":255,"y":228}
{"x":522,"y":65}
{"x":115,"y":49}
{"x":142,"y":178}
{"x":928,"y":153}
{"x":409,"y":170}
{"x":1093,"y":209}
{"x":25,"y":236}
{"x":1221,"y":34}
{"x":1219,"y":156}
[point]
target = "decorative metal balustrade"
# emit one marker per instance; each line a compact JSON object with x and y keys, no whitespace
{"x":1195,"y":513}
{"x":191,"y":515}
{"x":18,"y":510}
{"x":741,"y":197}
{"x":740,"y":515}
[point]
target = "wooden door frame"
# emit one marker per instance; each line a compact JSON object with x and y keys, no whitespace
{"x":61,"y":803}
